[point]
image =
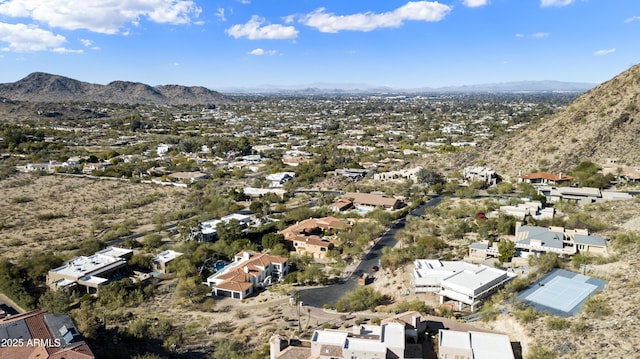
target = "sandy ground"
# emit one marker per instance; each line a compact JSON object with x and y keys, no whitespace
{"x":39,"y":212}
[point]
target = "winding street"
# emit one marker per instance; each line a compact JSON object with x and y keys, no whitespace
{"x":319,"y":296}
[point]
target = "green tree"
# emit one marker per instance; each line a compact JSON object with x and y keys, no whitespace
{"x":505,"y":188}
{"x":86,"y":320}
{"x":226,"y":349}
{"x":141,"y":260}
{"x":192,"y":290}
{"x":271,"y":240}
{"x":53,"y":301}
{"x":506,"y":250}
{"x":229,"y":231}
{"x":152,"y":240}
{"x":430,"y":177}
{"x":361,"y":298}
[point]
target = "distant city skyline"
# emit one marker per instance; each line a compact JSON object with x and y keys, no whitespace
{"x":252,"y":43}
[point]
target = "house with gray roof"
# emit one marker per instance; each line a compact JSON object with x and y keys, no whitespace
{"x":558,"y":240}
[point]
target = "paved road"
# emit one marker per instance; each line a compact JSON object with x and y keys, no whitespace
{"x":318,"y":297}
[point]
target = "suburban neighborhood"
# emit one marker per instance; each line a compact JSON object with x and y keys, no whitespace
{"x":287,"y":227}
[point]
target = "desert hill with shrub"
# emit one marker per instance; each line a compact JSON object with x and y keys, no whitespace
{"x":603,"y":123}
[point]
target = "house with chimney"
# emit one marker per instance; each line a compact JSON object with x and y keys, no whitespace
{"x":248,"y":272}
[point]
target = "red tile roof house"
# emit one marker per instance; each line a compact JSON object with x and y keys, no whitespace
{"x":248,"y":272}
{"x":312,"y":236}
{"x":544,"y":178}
{"x":41,"y":335}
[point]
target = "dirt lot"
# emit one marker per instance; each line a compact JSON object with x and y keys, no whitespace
{"x":38,"y":212}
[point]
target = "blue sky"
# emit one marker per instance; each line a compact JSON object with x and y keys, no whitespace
{"x":247,"y":43}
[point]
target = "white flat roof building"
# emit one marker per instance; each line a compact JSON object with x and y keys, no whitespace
{"x":116,"y":252}
{"x":474,"y":345}
{"x":209,"y":228}
{"x":396,"y":337}
{"x":463,"y":282}
{"x":167,"y":256}
{"x":364,"y":341}
{"x":159,"y":262}
{"x":88,"y":271}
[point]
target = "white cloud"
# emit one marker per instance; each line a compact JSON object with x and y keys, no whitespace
{"x":632,"y":19}
{"x":101,"y":16}
{"x":29,"y":38}
{"x":220,"y":14}
{"x":244,"y":2}
{"x":535,"y":35}
{"x":604,"y":52}
{"x":545,"y":3}
{"x":540,"y":35}
{"x":88,"y":43}
{"x":368,"y":21}
{"x":260,"y":52}
{"x":253,"y":30}
{"x":62,"y":50}
{"x":475,"y":3}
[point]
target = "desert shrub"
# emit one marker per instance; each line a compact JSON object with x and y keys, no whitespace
{"x":580,"y":327}
{"x":48,"y":216}
{"x":557,"y":323}
{"x":545,"y":263}
{"x":538,"y":352}
{"x":21,"y":199}
{"x":526,"y":315}
{"x":626,"y":239}
{"x":489,"y":312}
{"x":445,"y":311}
{"x":414,"y":305}
{"x":597,"y":307}
{"x":361,"y":298}
{"x":517,"y":284}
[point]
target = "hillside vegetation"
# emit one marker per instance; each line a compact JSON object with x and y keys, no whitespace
{"x":602,"y":123}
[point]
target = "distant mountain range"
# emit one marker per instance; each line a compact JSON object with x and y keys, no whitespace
{"x":328,"y":88}
{"x":43,"y":87}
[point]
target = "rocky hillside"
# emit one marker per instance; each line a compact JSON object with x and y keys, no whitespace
{"x":600,"y":124}
{"x":43,"y":87}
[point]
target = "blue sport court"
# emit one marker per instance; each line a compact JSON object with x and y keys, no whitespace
{"x":560,"y":292}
